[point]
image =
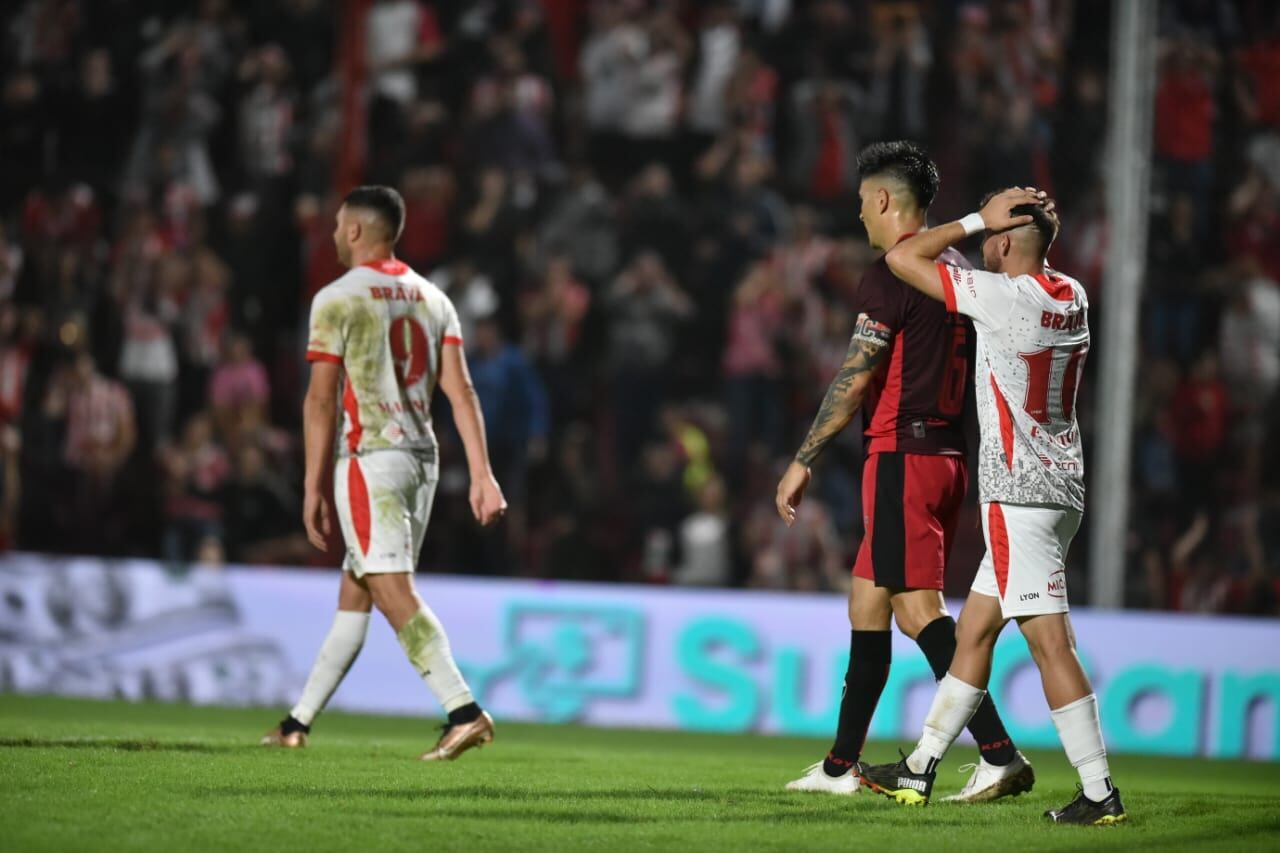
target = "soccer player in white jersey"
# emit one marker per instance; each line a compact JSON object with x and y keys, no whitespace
{"x":1033,"y":333}
{"x":382,"y":337}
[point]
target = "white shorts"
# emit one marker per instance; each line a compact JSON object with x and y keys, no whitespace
{"x":1025,"y":559}
{"x":384,"y":501}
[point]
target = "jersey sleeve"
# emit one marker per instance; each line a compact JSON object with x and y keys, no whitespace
{"x":986,"y":297}
{"x":452,"y":326}
{"x":326,"y":339}
{"x":880,"y":305}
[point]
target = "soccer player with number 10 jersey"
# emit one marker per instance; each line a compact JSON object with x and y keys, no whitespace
{"x":1033,"y":333}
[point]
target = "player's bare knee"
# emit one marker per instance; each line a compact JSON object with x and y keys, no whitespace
{"x":911,"y":622}
{"x":354,"y":595}
{"x":1048,"y":640}
{"x":869,"y":607}
{"x":980,"y":639}
{"x":980,"y":623}
{"x":871,"y":618}
{"x":392,"y":594}
{"x":915,"y":610}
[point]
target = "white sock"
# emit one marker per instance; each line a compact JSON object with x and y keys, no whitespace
{"x":424,"y":641}
{"x":1081,"y":735}
{"x":953,"y":705}
{"x":337,"y":653}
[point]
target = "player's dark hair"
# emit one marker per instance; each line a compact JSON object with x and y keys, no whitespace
{"x":383,"y":202}
{"x":1045,"y":223}
{"x":904,"y":161}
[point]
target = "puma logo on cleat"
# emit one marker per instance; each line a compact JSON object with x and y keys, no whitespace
{"x":913,"y":784}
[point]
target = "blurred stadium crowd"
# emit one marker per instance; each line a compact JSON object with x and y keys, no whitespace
{"x":646,"y":215}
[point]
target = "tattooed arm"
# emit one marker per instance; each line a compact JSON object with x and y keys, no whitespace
{"x":867,"y":350}
{"x":844,"y":395}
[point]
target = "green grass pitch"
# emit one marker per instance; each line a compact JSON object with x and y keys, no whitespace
{"x":111,"y":776}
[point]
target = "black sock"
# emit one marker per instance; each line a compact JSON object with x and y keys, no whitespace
{"x":938,"y":642}
{"x":870,"y":654}
{"x":466,"y":714}
{"x":289,"y":725}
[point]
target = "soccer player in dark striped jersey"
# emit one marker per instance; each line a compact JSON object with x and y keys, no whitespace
{"x":908,"y":368}
{"x":1032,"y":327}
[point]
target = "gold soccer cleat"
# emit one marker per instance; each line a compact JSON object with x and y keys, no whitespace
{"x":276,"y":737}
{"x":460,"y":737}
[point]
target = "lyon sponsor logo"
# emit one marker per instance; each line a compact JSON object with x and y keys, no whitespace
{"x":1058,"y":584}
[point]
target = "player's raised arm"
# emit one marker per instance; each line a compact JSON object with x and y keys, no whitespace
{"x":844,"y":397}
{"x":487,"y":502}
{"x":913,"y":260}
{"x":319,"y":424}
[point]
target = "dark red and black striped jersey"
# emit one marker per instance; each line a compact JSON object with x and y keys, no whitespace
{"x":916,"y":402}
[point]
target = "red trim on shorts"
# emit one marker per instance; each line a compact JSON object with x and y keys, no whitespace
{"x":352,"y":407}
{"x":862,"y":567}
{"x":316,"y":355}
{"x":358,"y":497}
{"x":999,"y":544}
{"x":453,"y":339}
{"x":388,"y":266}
{"x":948,"y":288}
{"x":1006,"y":422}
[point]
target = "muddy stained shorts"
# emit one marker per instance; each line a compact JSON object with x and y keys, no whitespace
{"x":383,"y":501}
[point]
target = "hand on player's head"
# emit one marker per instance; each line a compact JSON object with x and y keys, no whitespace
{"x":997,"y":214}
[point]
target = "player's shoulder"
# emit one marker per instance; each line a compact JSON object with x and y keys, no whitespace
{"x":878,"y":272}
{"x":1069,"y":284}
{"x":433,"y":295}
{"x":419,"y":280}
{"x":343,"y":285}
{"x":952,"y":257}
{"x":330,"y":298}
{"x":1053,"y":287}
{"x":357,"y":280}
{"x":879,"y":281}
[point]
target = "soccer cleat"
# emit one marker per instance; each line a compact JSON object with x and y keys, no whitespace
{"x":292,"y":740}
{"x":899,"y":782}
{"x":991,"y":782}
{"x":816,"y":779}
{"x":1083,"y":811}
{"x":459,"y":737}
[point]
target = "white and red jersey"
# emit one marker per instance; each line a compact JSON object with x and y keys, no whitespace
{"x":386,"y":325}
{"x":1033,"y":336}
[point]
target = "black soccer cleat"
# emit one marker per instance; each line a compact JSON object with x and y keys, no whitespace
{"x":899,"y":782}
{"x":1083,"y":811}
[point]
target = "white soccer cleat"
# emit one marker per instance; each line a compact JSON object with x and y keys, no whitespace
{"x":990,"y":782}
{"x":816,"y":779}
